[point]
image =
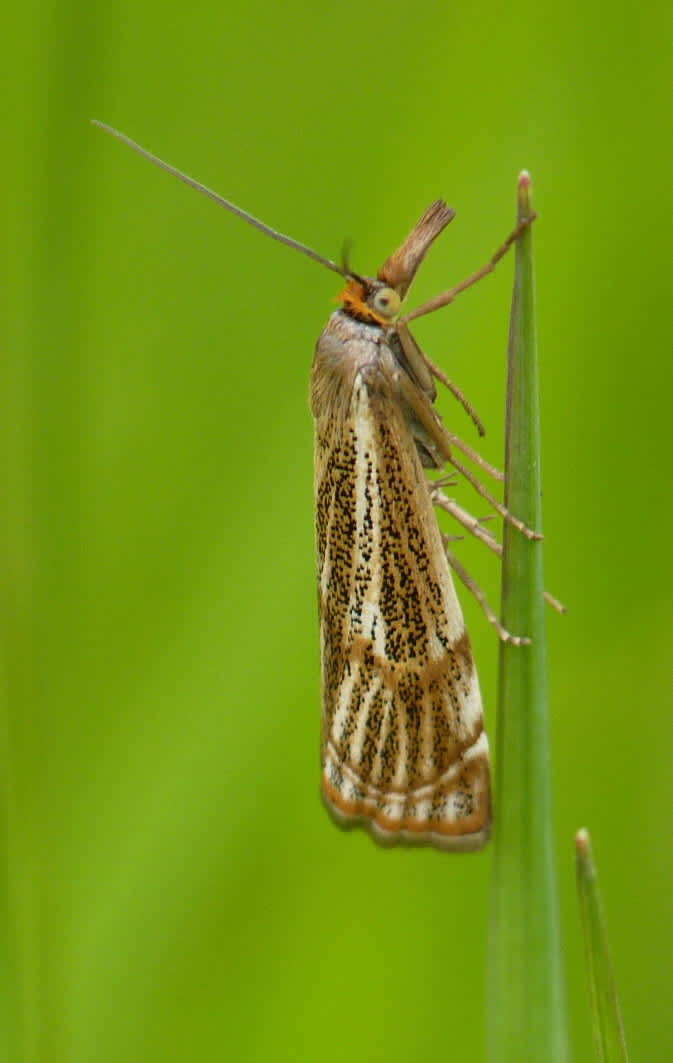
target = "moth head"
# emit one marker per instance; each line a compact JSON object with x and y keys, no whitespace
{"x":371,"y":300}
{"x":386,"y":302}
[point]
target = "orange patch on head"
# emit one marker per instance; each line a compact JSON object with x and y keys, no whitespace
{"x":354,"y":302}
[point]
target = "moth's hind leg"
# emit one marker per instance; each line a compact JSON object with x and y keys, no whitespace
{"x":464,"y":576}
{"x":475,"y":526}
{"x":493,"y":501}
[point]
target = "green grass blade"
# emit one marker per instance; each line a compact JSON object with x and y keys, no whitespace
{"x":526,"y":997}
{"x":609,"y":1038}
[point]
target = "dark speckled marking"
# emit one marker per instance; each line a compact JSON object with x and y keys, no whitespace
{"x":406,"y":702}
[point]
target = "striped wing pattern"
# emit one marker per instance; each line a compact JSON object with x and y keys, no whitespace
{"x":403,"y":746}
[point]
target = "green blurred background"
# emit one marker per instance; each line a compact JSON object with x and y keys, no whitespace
{"x":173,"y":889}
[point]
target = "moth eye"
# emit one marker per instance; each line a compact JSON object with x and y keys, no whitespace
{"x":386,"y":302}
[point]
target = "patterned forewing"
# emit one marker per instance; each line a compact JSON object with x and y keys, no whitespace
{"x":403,"y":743}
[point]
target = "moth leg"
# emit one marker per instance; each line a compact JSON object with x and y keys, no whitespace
{"x":493,"y":501}
{"x":555,"y":603}
{"x":417,"y":362}
{"x":448,"y":480}
{"x":423,"y":369}
{"x":428,"y":430}
{"x":444,"y":298}
{"x":474,"y":526}
{"x":418,"y":373}
{"x":473,"y":455}
{"x":464,"y":576}
{"x":440,"y":375}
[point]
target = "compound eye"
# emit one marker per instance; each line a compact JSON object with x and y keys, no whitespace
{"x":386,"y":302}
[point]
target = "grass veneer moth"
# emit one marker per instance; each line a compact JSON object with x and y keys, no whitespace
{"x":404,"y":751}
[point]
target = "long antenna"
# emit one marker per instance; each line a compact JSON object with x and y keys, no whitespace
{"x":250,"y":218}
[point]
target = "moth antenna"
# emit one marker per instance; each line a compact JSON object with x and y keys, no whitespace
{"x":222,"y":202}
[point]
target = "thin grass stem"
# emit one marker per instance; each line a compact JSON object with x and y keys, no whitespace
{"x":609,"y":1040}
{"x":526,"y":1019}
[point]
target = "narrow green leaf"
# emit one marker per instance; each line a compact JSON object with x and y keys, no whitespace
{"x":526,"y":996}
{"x":609,"y":1038}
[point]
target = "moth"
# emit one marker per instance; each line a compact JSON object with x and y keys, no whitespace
{"x":403,"y":747}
